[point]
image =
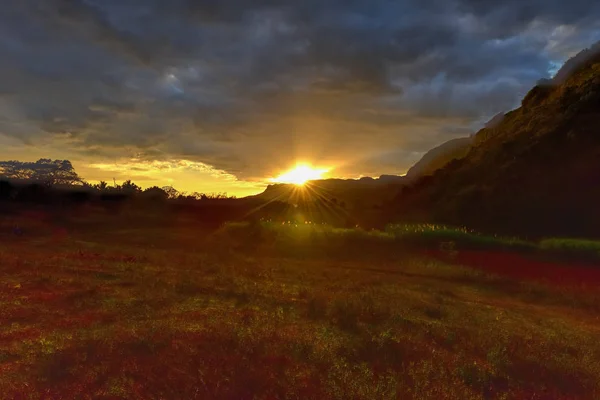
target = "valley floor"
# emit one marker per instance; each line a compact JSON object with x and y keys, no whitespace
{"x":140,"y":313}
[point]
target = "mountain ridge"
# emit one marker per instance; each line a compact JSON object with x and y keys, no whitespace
{"x":535,"y":171}
{"x":350,"y":191}
{"x":440,"y":156}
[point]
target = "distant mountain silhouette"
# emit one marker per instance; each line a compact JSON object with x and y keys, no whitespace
{"x":354,"y":193}
{"x":536,"y":170}
{"x":439,"y":157}
{"x":339,"y":202}
{"x":455,"y":149}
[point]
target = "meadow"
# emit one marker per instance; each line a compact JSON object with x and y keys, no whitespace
{"x":110,"y":307}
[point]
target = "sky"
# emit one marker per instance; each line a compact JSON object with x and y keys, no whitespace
{"x":224,"y":95}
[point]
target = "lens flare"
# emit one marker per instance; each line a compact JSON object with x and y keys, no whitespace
{"x":301,"y":174}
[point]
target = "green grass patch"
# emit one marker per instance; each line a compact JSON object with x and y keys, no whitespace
{"x":463,"y":238}
{"x":324,"y":241}
{"x":571,"y":248}
{"x":304,"y":240}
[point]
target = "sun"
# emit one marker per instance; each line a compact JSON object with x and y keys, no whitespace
{"x":300,"y":175}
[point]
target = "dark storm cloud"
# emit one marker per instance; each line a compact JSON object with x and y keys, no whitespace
{"x":514,"y":14}
{"x":248,"y":86}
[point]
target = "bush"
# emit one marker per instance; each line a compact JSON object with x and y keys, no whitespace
{"x":572,"y":248}
{"x":323,"y":241}
{"x":305,"y":240}
{"x":429,"y":235}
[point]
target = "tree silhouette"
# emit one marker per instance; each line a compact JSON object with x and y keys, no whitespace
{"x":101,"y":186}
{"x":6,"y":190}
{"x":172,"y":193}
{"x":45,"y":171}
{"x":155,"y":193}
{"x":130,"y":187}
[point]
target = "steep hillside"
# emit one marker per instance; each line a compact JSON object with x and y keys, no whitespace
{"x":537,"y":171}
{"x":439,"y":157}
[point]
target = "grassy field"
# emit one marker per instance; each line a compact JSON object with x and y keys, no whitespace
{"x":322,"y":240}
{"x":105,"y":310}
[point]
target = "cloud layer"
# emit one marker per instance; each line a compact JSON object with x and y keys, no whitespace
{"x":250,"y":86}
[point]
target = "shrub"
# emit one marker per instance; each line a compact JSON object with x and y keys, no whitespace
{"x":572,"y":248}
{"x":430,"y":235}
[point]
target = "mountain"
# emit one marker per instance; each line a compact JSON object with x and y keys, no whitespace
{"x":354,"y":193}
{"x":534,"y":171}
{"x":439,"y":157}
{"x":455,"y":149}
{"x":340,"y":202}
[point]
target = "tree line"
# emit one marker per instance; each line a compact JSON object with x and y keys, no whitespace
{"x":55,"y":185}
{"x":60,"y":174}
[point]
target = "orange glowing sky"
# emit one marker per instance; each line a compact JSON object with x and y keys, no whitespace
{"x":230,"y":96}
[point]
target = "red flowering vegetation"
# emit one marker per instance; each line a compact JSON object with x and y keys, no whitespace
{"x":515,"y":266}
{"x":106,"y":318}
